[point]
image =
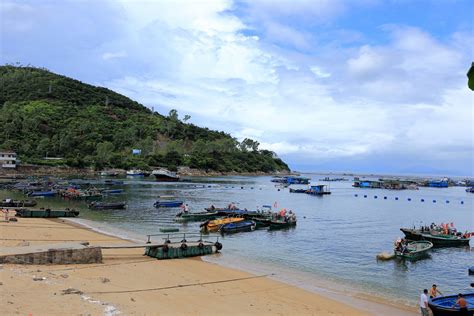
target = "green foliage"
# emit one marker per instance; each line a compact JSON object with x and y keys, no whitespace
{"x":43,"y":114}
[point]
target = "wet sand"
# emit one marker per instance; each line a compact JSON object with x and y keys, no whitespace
{"x":132,"y":284}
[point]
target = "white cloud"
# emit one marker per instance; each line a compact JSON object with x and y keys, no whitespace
{"x":113,"y":55}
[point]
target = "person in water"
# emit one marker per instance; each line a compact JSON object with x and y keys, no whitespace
{"x":461,"y":302}
{"x":424,"y":303}
{"x":434,"y":291}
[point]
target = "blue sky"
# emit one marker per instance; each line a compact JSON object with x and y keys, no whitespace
{"x":365,"y":86}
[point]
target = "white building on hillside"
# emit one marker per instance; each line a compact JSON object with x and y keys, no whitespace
{"x":8,"y":159}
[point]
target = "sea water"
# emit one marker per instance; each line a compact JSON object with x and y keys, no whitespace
{"x":334,"y":244}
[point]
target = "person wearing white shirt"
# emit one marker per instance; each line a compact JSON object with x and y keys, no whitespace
{"x":424,"y":303}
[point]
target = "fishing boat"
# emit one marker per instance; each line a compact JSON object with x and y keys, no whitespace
{"x":414,"y":250}
{"x":438,"y":239}
{"x":236,"y":227}
{"x":163,"y":174}
{"x":443,"y":305}
{"x":42,"y":193}
{"x":319,"y":189}
{"x":281,"y":224}
{"x":198,"y":216}
{"x":167,"y":201}
{"x":214,"y":225}
{"x":16,"y":203}
{"x":107,"y":206}
{"x":298,"y":190}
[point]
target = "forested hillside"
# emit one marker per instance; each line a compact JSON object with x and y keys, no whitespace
{"x":43,"y":114}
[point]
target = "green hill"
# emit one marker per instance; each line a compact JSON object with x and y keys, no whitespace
{"x":44,"y":114}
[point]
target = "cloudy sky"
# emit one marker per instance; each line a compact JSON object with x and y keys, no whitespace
{"x":368,"y":85}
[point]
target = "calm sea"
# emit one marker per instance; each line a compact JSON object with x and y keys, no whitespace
{"x":334,"y":244}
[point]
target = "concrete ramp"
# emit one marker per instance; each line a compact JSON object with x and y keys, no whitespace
{"x":66,"y":253}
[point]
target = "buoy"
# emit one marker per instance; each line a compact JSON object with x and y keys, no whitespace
{"x":409,"y":199}
{"x":396,"y":198}
{"x":462,"y":202}
{"x":384,"y":197}
{"x":434,"y":201}
{"x":375,"y":196}
{"x":422,"y":200}
{"x":356,"y":195}
{"x":447,"y":201}
{"x":365,"y":196}
{"x":471,"y":270}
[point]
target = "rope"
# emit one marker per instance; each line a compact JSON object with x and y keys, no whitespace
{"x":181,"y":285}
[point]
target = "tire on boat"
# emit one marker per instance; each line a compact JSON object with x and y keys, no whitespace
{"x":201,"y":245}
{"x":218,"y":245}
{"x":165,"y":248}
{"x":184,"y":247}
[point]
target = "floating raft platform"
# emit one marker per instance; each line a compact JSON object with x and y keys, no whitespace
{"x":182,"y":249}
{"x":46,"y":213}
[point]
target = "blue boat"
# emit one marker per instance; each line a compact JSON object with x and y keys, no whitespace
{"x":438,"y":183}
{"x":443,"y":305}
{"x":167,"y":201}
{"x":42,"y":193}
{"x":236,"y":227}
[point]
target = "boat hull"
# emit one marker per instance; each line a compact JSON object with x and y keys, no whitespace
{"x":412,"y":234}
{"x":165,"y":178}
{"x":168,"y":203}
{"x":442,"y":306}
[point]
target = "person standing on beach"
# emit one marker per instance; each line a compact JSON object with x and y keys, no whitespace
{"x":434,"y":291}
{"x":424,"y":303}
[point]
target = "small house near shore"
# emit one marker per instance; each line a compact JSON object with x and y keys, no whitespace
{"x":8,"y":159}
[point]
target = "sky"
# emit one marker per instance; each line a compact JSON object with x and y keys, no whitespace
{"x":329,"y":85}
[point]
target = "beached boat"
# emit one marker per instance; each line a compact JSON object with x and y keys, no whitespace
{"x":42,"y":193}
{"x":438,"y":239}
{"x":237,"y":227}
{"x":414,"y":250}
{"x":168,"y":201}
{"x":198,"y":216}
{"x":163,"y":174}
{"x":16,"y":203}
{"x":214,"y":225}
{"x":443,"y":305}
{"x":107,"y":206}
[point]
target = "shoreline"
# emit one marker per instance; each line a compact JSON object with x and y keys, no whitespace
{"x":261,"y":291}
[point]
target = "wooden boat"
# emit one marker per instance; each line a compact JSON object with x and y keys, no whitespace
{"x":16,"y":203}
{"x":214,"y":225}
{"x":438,"y":240}
{"x":168,"y":201}
{"x":42,"y":193}
{"x":113,"y":191}
{"x":414,"y":250}
{"x":46,"y":213}
{"x":443,"y":305}
{"x":236,"y":227}
{"x":198,"y":216}
{"x":107,"y":206}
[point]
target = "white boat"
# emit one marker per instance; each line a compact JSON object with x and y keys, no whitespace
{"x":163,"y":174}
{"x":135,"y":173}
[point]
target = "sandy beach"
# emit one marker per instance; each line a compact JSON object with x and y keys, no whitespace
{"x":129,"y":283}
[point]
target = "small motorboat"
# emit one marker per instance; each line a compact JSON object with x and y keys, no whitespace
{"x":215,"y":225}
{"x":414,"y":250}
{"x":163,"y":174}
{"x":439,"y":239}
{"x":198,"y":216}
{"x":298,"y":190}
{"x":16,"y":203}
{"x":168,"y":201}
{"x":107,"y":206}
{"x":135,"y":173}
{"x":445,"y":305}
{"x":281,"y":224}
{"x":237,"y":227}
